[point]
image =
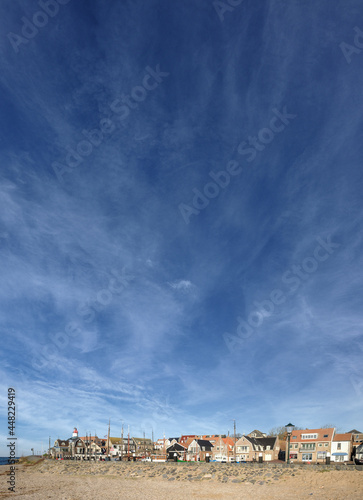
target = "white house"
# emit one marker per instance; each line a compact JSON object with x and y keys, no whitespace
{"x":341,"y":448}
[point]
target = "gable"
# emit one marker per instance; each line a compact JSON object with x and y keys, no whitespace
{"x":175,"y":447}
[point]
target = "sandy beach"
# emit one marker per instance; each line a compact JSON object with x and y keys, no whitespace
{"x":73,"y":481}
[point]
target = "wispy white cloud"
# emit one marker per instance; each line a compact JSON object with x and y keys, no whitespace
{"x":182,"y":285}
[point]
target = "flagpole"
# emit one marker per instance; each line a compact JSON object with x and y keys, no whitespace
{"x":128,"y":441}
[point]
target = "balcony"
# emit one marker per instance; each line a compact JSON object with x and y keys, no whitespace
{"x":307,"y":450}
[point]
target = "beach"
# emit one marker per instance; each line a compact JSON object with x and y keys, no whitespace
{"x":70,"y":480}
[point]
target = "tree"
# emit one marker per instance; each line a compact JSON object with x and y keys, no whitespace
{"x":280,"y":432}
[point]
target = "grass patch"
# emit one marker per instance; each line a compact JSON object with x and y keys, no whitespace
{"x":30,"y":460}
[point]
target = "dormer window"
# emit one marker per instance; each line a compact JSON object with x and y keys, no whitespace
{"x":309,"y":436}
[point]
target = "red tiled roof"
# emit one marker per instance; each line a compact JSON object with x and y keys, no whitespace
{"x":185,"y":438}
{"x":320,"y":435}
{"x":342,"y":437}
{"x":229,"y":440}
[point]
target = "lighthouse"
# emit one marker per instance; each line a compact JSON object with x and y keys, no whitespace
{"x":75,"y":433}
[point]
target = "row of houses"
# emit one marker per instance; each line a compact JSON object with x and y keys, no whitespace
{"x":225,"y":448}
{"x":309,"y":445}
{"x":82,"y":447}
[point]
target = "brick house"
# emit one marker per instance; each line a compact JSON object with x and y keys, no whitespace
{"x":251,"y":448}
{"x":73,"y":447}
{"x":223,"y":449}
{"x":61,"y":449}
{"x":198,"y":450}
{"x":311,"y":445}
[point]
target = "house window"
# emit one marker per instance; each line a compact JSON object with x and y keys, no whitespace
{"x":309,"y":436}
{"x":294,"y":437}
{"x":296,"y":445}
{"x":308,"y":446}
{"x":293,"y":456}
{"x":339,"y":446}
{"x":307,"y":457}
{"x":320,"y":444}
{"x":268,"y":447}
{"x":326,"y":435}
{"x":325,"y":444}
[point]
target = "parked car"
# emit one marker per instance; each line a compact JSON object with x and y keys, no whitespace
{"x":358,"y":459}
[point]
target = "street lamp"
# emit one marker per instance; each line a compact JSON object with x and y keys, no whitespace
{"x":289,"y":429}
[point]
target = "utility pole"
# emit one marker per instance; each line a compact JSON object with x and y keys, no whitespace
{"x":108,"y":437}
{"x":234,"y":438}
{"x":122,"y":441}
{"x":152,"y":439}
{"x":144,"y":446}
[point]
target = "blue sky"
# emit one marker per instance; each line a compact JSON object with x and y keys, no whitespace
{"x":181,"y":216}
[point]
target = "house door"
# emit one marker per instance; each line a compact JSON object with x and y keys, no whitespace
{"x":268,"y":458}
